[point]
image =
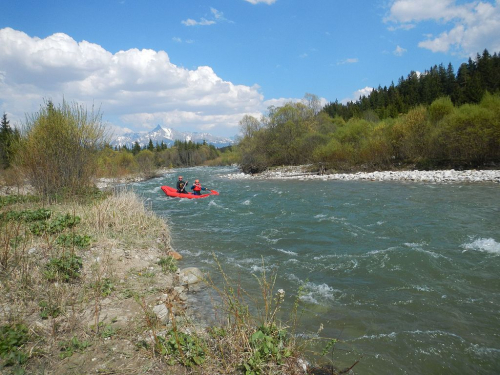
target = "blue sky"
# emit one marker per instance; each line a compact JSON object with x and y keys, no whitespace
{"x":201,"y":65}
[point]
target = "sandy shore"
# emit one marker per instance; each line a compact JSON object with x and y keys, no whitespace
{"x":441,"y":176}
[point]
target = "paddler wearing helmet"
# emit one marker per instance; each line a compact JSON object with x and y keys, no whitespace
{"x":197,"y":188}
{"x":181,"y":185}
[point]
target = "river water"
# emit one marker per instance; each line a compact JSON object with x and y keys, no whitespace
{"x":405,"y":275}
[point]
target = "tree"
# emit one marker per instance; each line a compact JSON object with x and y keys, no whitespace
{"x":136,"y":148}
{"x":249,"y":125}
{"x":151,"y":147}
{"x":59,"y":146}
{"x":6,"y":138}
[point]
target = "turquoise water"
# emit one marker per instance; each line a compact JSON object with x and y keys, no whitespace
{"x":406,"y":275}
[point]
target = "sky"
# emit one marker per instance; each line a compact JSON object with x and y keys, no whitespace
{"x":201,"y":65}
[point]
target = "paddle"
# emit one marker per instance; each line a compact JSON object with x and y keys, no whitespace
{"x":184,"y":188}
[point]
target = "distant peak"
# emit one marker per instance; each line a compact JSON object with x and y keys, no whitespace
{"x":158,"y":128}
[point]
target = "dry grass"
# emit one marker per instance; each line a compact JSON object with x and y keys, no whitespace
{"x":126,"y":239}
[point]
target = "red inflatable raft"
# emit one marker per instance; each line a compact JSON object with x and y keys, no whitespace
{"x":172,"y":192}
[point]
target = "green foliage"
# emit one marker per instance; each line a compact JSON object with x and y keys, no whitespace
{"x":8,"y":138}
{"x":65,"y":268}
{"x":468,"y":86}
{"x":268,"y":344}
{"x":440,"y":108}
{"x":180,"y":347}
{"x":105,"y":287}
{"x":105,"y":330}
{"x":12,"y":339}
{"x":328,"y":347}
{"x":6,"y":200}
{"x":59,"y":147}
{"x":27,"y":215}
{"x":70,"y":240}
{"x":56,"y":225}
{"x":70,"y":347}
{"x":168,"y":264}
{"x":48,"y":309}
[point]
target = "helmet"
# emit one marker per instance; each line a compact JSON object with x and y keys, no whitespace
{"x":196,"y":181}
{"x":180,"y":177}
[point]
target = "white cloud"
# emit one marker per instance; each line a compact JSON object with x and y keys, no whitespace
{"x":201,"y":22}
{"x":282,"y":101}
{"x":358,"y":94}
{"x":135,"y":88}
{"x":217,"y":17}
{"x":179,"y":40}
{"x":268,"y":2}
{"x":472,"y":26}
{"x":348,"y":61}
{"x":399,"y":51}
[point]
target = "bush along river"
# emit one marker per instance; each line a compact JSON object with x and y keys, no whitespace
{"x":405,"y":274}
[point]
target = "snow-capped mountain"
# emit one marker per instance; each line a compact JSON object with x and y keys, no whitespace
{"x":168,"y":136}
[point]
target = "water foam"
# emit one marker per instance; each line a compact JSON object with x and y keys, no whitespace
{"x":487,"y":245}
{"x":287,"y":252}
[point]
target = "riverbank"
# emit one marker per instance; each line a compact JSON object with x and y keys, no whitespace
{"x":438,"y":176}
{"x":92,"y":288}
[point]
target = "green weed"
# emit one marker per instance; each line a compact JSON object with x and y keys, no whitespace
{"x":70,"y":240}
{"x":183,"y":348}
{"x":268,"y":344}
{"x":48,"y":309}
{"x":168,"y":264}
{"x":68,"y":348}
{"x":12,"y":339}
{"x":65,"y":268}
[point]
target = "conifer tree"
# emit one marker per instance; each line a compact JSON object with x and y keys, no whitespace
{"x":151,"y":147}
{"x":6,"y":137}
{"x":136,"y":148}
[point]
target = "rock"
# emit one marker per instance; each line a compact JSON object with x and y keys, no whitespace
{"x":161,"y":313}
{"x":191,"y":275}
{"x":175,"y":255}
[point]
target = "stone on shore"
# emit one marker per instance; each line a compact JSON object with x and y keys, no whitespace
{"x":175,"y":255}
{"x":191,"y":275}
{"x":438,"y":176}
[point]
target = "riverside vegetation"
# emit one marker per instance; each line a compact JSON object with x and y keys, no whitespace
{"x":433,"y":120}
{"x":90,"y":284}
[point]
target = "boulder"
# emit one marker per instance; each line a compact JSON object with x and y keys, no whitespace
{"x":175,"y":255}
{"x":161,"y":313}
{"x":190,"y":275}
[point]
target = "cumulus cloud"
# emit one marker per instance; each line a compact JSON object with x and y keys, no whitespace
{"x":138,"y":89}
{"x":358,"y":94}
{"x":268,"y":2}
{"x":472,"y":26}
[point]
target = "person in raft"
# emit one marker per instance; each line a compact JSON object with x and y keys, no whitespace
{"x":181,"y":186}
{"x":197,"y":188}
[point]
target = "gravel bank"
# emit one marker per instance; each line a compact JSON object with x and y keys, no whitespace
{"x":442,"y":176}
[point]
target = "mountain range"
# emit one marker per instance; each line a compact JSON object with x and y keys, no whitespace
{"x":169,"y":136}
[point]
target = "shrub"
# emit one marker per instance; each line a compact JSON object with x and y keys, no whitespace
{"x":59,"y":147}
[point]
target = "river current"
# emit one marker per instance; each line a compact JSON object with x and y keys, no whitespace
{"x":405,"y":275}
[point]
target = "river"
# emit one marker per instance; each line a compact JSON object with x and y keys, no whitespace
{"x":405,"y":275}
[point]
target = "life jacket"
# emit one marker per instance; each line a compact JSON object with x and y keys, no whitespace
{"x":197,"y":187}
